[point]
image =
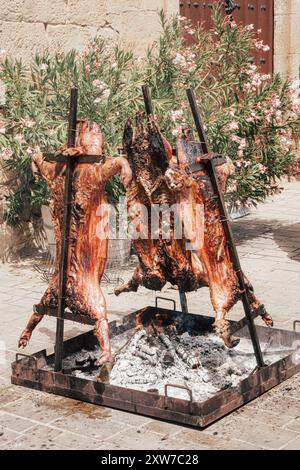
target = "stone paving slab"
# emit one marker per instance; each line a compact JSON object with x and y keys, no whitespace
{"x":269,"y":246}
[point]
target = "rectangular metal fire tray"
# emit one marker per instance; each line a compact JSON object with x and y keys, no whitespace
{"x":31,"y":371}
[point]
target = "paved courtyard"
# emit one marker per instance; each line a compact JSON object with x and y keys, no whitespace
{"x":269,"y":245}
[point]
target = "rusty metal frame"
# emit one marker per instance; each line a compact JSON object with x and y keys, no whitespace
{"x":60,"y":312}
{"x":30,"y":371}
{"x":227,"y":227}
{"x":64,"y":255}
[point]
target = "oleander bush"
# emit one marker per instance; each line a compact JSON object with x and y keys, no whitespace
{"x":249,"y":116}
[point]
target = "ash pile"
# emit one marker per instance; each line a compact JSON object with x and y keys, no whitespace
{"x":176,"y":349}
{"x":155,"y":356}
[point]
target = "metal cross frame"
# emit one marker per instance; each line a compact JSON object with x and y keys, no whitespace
{"x":227,"y":228}
{"x":210,"y":165}
{"x":65,"y":229}
{"x":67,"y":201}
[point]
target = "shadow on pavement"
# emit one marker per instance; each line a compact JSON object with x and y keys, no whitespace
{"x":286,"y":236}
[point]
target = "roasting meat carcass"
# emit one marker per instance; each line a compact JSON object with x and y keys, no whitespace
{"x":164,"y":179}
{"x":88,"y":231}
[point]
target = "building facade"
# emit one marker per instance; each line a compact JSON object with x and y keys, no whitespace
{"x":29,"y":25}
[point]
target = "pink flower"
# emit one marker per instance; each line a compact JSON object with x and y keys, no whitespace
{"x":265,"y":77}
{"x":6,"y":153}
{"x":179,"y":59}
{"x":176,"y":115}
{"x":257,"y":140}
{"x":285,"y":143}
{"x":243,"y":144}
{"x":260,"y":45}
{"x":27,"y":122}
{"x":247,"y":87}
{"x":262,"y":168}
{"x":294,"y":93}
{"x":295,"y":84}
{"x":44,"y":67}
{"x":233,"y":126}
{"x":249,"y":27}
{"x":176,"y":131}
{"x":20,"y":138}
{"x":99,"y":84}
{"x":105,"y":94}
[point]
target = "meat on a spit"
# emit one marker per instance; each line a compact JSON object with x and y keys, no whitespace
{"x":88,"y":231}
{"x":161,"y":178}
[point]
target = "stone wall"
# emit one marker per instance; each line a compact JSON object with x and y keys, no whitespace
{"x":29,"y":25}
{"x":287,"y":37}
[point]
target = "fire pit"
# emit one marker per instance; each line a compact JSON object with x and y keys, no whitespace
{"x":168,"y":365}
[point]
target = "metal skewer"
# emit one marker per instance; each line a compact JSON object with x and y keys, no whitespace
{"x":63,"y":268}
{"x":227,"y":228}
{"x":149,"y":111}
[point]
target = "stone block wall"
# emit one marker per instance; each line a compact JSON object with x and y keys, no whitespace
{"x":29,"y":25}
{"x":287,"y":37}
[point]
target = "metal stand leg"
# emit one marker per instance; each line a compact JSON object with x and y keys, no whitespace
{"x":183,"y":302}
{"x":65,"y":235}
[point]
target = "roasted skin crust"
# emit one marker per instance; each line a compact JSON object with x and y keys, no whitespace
{"x":88,"y":235}
{"x":161,"y":178}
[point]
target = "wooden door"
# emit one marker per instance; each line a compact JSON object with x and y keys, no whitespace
{"x":260,"y":13}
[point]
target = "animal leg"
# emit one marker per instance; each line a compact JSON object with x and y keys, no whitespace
{"x":106,"y":359}
{"x":222,"y":299}
{"x":95,"y":307}
{"x":131,"y":286}
{"x":34,"y":320}
{"x":102,"y":335}
{"x":255,"y":304}
{"x":222,"y":328}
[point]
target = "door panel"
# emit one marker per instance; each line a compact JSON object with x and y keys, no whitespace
{"x":260,"y":13}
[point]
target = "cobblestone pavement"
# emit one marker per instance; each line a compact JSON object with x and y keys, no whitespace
{"x":269,"y":245}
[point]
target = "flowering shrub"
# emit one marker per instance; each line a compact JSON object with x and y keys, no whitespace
{"x":249,"y":116}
